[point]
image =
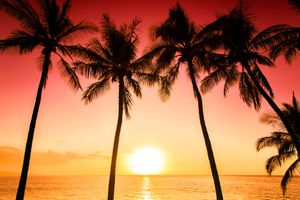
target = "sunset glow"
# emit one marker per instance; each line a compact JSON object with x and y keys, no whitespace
{"x":146,"y":161}
{"x":76,"y":139}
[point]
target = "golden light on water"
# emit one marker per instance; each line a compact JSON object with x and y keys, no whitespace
{"x":146,"y":161}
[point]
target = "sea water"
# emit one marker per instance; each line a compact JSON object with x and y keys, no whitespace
{"x":150,"y":188}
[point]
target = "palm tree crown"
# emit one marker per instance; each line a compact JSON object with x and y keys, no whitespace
{"x":177,"y":42}
{"x":241,"y":59}
{"x":114,"y":60}
{"x":49,"y":28}
{"x":282,"y":141}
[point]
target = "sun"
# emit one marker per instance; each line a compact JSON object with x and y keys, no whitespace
{"x":146,"y":161}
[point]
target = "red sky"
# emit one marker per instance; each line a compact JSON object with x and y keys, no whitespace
{"x":82,"y":134}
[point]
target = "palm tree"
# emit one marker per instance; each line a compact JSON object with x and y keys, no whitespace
{"x":113,"y":60}
{"x":282,"y":141}
{"x":282,"y":39}
{"x":240,"y":63}
{"x":177,"y":43}
{"x":50,"y":29}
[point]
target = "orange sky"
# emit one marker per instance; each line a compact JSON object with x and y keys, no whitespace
{"x":73,"y":138}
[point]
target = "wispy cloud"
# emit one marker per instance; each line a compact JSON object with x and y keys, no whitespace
{"x":11,"y":155}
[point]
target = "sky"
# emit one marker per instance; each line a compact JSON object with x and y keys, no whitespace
{"x":72,"y":138}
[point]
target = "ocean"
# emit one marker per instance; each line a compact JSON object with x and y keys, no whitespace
{"x":150,"y":188}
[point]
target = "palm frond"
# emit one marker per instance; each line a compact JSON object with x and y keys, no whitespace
{"x":290,"y":54}
{"x":277,"y":139}
{"x":135,"y":86}
{"x":19,"y":42}
{"x":145,"y":62}
{"x":271,"y":118}
{"x":232,"y":78}
{"x":74,"y":30}
{"x":295,"y":104}
{"x":63,"y":21}
{"x":132,"y":28}
{"x":127,"y":102}
{"x":286,"y":47}
{"x":237,"y":29}
{"x":69,"y":74}
{"x":210,"y":81}
{"x":270,"y":36}
{"x":62,"y":50}
{"x":86,"y":54}
{"x":167,"y":82}
{"x":208,"y":60}
{"x":165,"y":88}
{"x":44,"y":66}
{"x":262,"y":80}
{"x":64,"y":11}
{"x":147,"y":78}
{"x":261,"y":59}
{"x":248,"y":91}
{"x":279,"y":39}
{"x":177,"y":25}
{"x":108,"y":26}
{"x":91,"y":70}
{"x":287,"y":146}
{"x":50,"y":13}
{"x":286,"y":137}
{"x":193,"y":70}
{"x":95,"y":45}
{"x":289,"y":174}
{"x":277,"y":161}
{"x":295,"y":4}
{"x":95,"y":89}
{"x":121,"y":47}
{"x":165,"y":59}
{"x":25,"y":14}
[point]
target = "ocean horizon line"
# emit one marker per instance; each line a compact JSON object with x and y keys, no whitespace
{"x":141,"y":175}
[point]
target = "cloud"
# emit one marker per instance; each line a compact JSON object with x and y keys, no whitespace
{"x":12,"y":155}
{"x":9,"y":154}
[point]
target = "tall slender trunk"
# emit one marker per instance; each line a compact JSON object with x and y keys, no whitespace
{"x":112,"y":175}
{"x":209,"y":150}
{"x":275,"y":108}
{"x":27,"y":154}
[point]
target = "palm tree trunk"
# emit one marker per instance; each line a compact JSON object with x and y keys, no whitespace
{"x":112,"y":175}
{"x":275,"y":108}
{"x":209,"y":150}
{"x":27,"y":154}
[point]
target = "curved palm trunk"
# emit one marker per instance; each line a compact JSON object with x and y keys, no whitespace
{"x":209,"y":150}
{"x":27,"y":154}
{"x":112,"y":175}
{"x":275,"y":108}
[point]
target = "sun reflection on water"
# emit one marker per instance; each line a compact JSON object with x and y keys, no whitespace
{"x":146,"y":189}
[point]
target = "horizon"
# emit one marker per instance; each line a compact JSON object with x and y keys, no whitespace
{"x":16,"y":175}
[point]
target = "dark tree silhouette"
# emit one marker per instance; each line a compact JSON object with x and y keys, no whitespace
{"x":282,"y":141}
{"x":50,"y":29}
{"x":177,"y":43}
{"x":295,"y":4}
{"x":240,"y":63}
{"x":113,"y":60}
{"x":282,"y":39}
